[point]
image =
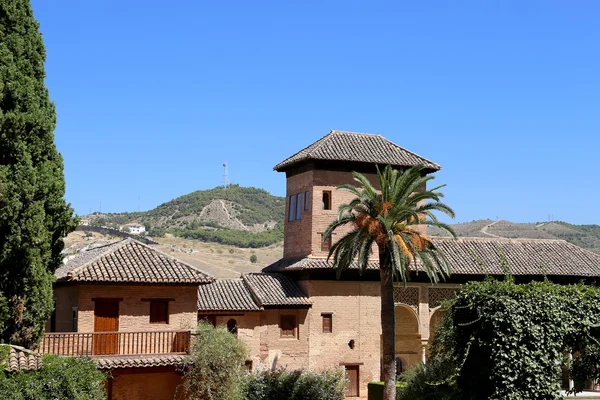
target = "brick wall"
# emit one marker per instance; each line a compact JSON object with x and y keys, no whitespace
{"x":134,"y":314}
{"x":297,"y":233}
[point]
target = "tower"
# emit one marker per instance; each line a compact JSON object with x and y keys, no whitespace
{"x":313,"y":175}
{"x":226,"y":182}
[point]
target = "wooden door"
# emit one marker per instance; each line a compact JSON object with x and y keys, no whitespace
{"x":352,"y":377}
{"x":106,"y":319}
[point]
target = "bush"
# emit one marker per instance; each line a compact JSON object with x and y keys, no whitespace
{"x":59,"y":378}
{"x":295,"y":385}
{"x":214,"y":369}
{"x":253,"y":258}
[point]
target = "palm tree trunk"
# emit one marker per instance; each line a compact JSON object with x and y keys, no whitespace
{"x":388,"y":325}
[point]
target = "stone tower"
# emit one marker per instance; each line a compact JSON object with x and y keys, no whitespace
{"x":314,"y":173}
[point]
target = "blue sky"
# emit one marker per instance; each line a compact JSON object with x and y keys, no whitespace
{"x":153,"y":96}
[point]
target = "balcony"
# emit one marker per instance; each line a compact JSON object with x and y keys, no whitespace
{"x":100,"y":344}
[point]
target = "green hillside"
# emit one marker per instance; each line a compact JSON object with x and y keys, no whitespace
{"x":239,"y":216}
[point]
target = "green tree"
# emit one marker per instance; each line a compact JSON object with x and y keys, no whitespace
{"x":390,"y":219}
{"x":34,"y":216}
{"x":215,"y":368}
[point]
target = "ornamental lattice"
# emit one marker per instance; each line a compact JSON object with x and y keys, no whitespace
{"x":408,"y":296}
{"x":438,"y":295}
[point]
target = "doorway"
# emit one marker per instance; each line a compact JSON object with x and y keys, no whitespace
{"x":352,"y":379}
{"x":106,"y":319}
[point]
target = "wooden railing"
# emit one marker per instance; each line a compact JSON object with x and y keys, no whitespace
{"x":115,"y":343}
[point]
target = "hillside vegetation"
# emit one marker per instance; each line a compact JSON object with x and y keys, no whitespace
{"x":237,"y":216}
{"x":586,"y":236}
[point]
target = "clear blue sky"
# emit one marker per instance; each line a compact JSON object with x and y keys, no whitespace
{"x":153,"y":96}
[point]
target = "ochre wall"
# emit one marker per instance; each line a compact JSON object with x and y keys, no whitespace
{"x":66,"y":297}
{"x":134,"y":314}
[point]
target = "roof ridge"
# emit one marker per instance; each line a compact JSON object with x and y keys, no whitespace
{"x":86,"y":264}
{"x":253,"y":294}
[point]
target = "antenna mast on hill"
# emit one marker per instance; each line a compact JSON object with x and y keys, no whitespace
{"x":226,"y":182}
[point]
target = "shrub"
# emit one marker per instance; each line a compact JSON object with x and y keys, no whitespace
{"x":59,"y":378}
{"x":279,"y":384}
{"x":214,"y":369}
{"x":253,"y":258}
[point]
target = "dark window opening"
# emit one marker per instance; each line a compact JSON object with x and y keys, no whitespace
{"x":325,"y":244}
{"x":74,"y":323}
{"x":159,"y":312}
{"x":305,"y":201}
{"x":327,"y":322}
{"x":292,"y":208}
{"x":232,"y":326}
{"x":326,"y":200}
{"x":288,"y":326}
{"x":298,"y":206}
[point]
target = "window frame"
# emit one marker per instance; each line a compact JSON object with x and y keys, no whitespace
{"x":299,"y":197}
{"x":294,"y":330}
{"x":326,"y":245}
{"x":74,"y":319}
{"x":292,"y":208}
{"x":306,"y":203}
{"x":327,"y":205}
{"x":159,"y":321}
{"x":327,"y":316}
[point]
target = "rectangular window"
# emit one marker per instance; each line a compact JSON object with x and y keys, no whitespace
{"x":53,"y":318}
{"x":74,"y":324}
{"x":327,"y":200}
{"x":159,"y":312}
{"x":211,"y":319}
{"x":325,"y":245}
{"x":327,"y":322}
{"x":292,"y":208}
{"x":287,"y":324}
{"x":298,"y":206}
{"x":305,"y":201}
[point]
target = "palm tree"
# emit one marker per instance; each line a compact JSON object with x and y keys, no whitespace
{"x":389,"y":219}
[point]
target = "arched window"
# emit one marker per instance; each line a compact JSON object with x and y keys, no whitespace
{"x":232,"y":326}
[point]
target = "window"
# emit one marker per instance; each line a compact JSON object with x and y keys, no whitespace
{"x":325,"y":245}
{"x":53,"y":318}
{"x":292,"y":208}
{"x":305,"y":201}
{"x":74,"y":324}
{"x":288,"y":326}
{"x":327,"y":322}
{"x":159,"y":312}
{"x":327,"y":200}
{"x":211,"y":319}
{"x":232,"y":326}
{"x":299,"y":206}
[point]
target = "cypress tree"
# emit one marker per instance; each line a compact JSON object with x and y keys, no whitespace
{"x":34,"y":216}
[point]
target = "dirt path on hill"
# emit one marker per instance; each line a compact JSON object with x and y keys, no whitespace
{"x":484,"y":230}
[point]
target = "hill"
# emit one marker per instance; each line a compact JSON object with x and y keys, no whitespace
{"x":238,"y":216}
{"x":586,"y":236}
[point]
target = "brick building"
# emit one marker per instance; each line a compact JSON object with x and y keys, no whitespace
{"x":132,"y":307}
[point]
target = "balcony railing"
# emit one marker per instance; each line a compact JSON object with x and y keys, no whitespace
{"x":94,"y":344}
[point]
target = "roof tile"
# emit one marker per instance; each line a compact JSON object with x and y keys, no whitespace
{"x":357,"y":147}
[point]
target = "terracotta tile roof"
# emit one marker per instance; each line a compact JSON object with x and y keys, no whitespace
{"x":129,"y":261}
{"x":139,"y":361}
{"x":479,"y":256}
{"x":253,"y":292}
{"x":19,"y":358}
{"x":275,"y":290}
{"x":226,"y":295}
{"x":357,"y":147}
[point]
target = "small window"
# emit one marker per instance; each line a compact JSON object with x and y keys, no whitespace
{"x":305,"y":201}
{"x":159,"y":312}
{"x":327,"y":322}
{"x":53,"y":318}
{"x":211,"y":319}
{"x":292,"y":209}
{"x":298,"y":206}
{"x":326,"y":244}
{"x":326,"y":200}
{"x":74,"y":323}
{"x":232,"y":326}
{"x":288,"y":326}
